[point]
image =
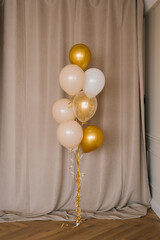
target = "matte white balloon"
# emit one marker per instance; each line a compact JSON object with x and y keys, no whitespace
{"x":70,"y":134}
{"x":94,"y":82}
{"x":62,"y":110}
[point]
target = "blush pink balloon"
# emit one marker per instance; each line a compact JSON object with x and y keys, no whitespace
{"x":62,"y":110}
{"x":72,"y":79}
{"x":70,"y":134}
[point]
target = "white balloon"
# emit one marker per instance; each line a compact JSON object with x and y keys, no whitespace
{"x":94,"y":82}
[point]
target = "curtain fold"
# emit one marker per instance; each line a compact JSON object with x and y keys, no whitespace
{"x":35,"y":179}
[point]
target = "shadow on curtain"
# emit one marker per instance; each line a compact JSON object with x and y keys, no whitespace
{"x":35,"y":180}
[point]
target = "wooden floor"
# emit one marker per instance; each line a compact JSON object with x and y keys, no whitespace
{"x":146,"y":228}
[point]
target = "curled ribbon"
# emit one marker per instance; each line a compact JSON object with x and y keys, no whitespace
{"x":78,"y":175}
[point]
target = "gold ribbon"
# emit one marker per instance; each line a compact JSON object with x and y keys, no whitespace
{"x":78,"y":181}
{"x":78,"y":175}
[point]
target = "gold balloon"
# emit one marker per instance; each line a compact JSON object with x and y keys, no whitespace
{"x":84,"y":108}
{"x":92,"y":138}
{"x":80,"y":55}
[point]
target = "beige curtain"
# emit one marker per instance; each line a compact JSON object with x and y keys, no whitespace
{"x":35,"y":180}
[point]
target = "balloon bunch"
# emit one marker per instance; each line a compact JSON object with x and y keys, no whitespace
{"x":73,"y":114}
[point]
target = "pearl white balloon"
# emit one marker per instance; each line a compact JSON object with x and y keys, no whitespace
{"x":94,"y":82}
{"x":70,"y":134}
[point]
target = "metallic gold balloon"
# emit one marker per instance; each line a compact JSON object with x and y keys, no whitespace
{"x":80,"y":55}
{"x":84,"y":108}
{"x":92,"y":138}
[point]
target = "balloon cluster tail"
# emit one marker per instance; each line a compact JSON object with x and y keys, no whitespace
{"x":78,"y":181}
{"x":71,"y":167}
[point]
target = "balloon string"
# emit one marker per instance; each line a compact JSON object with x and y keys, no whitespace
{"x":71,"y":167}
{"x":83,"y":123}
{"x":72,"y":162}
{"x":78,"y":156}
{"x":78,"y":181}
{"x":71,"y":102}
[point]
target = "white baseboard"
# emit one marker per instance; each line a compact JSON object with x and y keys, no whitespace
{"x":155,"y":207}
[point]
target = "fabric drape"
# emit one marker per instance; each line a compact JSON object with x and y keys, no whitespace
{"x":35,"y":179}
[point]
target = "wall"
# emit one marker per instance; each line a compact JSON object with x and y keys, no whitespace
{"x":152,"y":85}
{"x":149,"y":4}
